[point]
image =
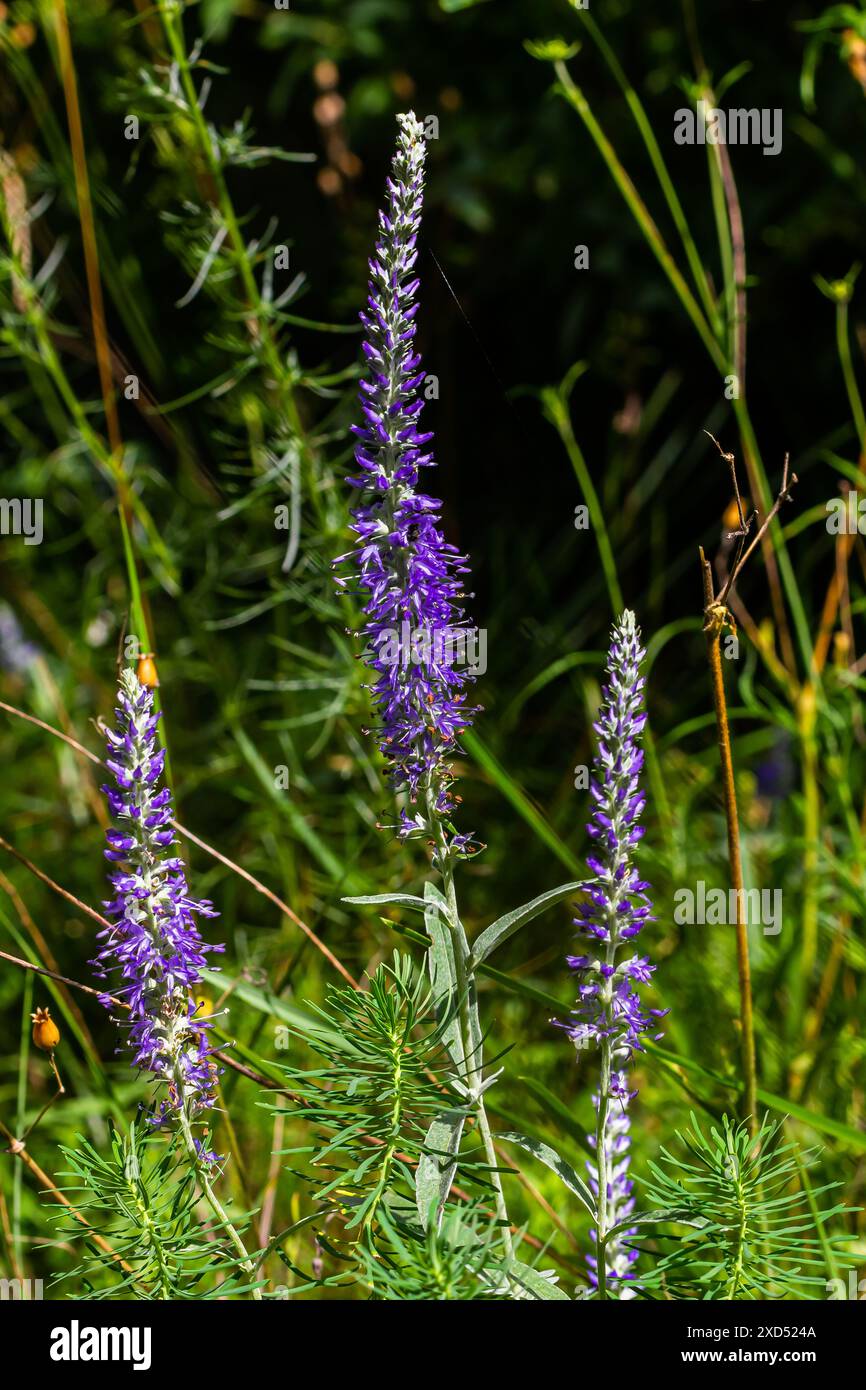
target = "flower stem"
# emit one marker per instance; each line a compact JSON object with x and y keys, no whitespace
{"x":210,"y":1196}
{"x":713,"y":619}
{"x":473,"y":1040}
{"x":601,"y":1168}
{"x":396,"y":1117}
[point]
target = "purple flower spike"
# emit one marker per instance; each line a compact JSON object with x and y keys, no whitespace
{"x":619,"y":1257}
{"x":409,"y":577}
{"x":154,"y":943}
{"x":609,"y":1014}
{"x":617,"y":906}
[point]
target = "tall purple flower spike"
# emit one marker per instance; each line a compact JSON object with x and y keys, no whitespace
{"x":609,"y":1014}
{"x":153,"y":942}
{"x":409,"y":577}
{"x":616,"y":906}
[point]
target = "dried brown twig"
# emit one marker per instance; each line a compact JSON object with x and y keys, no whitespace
{"x":716,"y":617}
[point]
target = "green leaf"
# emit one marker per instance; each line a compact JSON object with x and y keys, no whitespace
{"x":517,"y":986}
{"x":564,"y":1171}
{"x":683,"y":1216}
{"x":535,"y":1283}
{"x":506,"y":926}
{"x":514,"y":986}
{"x":437,"y":1165}
{"x":377,"y":899}
{"x":443,"y":972}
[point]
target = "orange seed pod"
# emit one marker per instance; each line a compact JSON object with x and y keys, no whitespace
{"x":146,"y":670}
{"x":46,"y":1034}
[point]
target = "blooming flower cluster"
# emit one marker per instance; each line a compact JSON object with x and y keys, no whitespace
{"x":609,"y":1014}
{"x":409,"y":577}
{"x":153,"y":942}
{"x":616,"y":906}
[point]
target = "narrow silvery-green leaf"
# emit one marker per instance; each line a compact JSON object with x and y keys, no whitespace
{"x":535,"y":1283}
{"x":683,"y":1217}
{"x":442,"y":971}
{"x":564,"y":1171}
{"x":437,"y":1165}
{"x":377,"y":899}
{"x":506,"y":926}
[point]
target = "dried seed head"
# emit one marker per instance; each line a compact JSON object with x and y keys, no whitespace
{"x":46,"y":1034}
{"x":146,"y":671}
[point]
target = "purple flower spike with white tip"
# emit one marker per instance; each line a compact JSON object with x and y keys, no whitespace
{"x":154,"y":942}
{"x":609,"y":1016}
{"x":616,"y":906}
{"x":409,"y":578}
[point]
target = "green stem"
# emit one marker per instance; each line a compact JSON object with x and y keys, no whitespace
{"x":715,"y":346}
{"x":558,"y":414}
{"x":280,"y":376}
{"x":601,"y":1165}
{"x":713,"y":618}
{"x":643,"y":124}
{"x":641,"y":214}
{"x":843,"y":345}
{"x":210,"y":1196}
{"x":147,"y":1225}
{"x":761,"y":489}
{"x":736,"y":1269}
{"x":802,"y":975}
{"x":396,"y":1116}
{"x":173,"y":26}
{"x":473,"y":1038}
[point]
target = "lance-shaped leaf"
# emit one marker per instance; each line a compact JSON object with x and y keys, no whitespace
{"x":437,"y":1165}
{"x":681,"y":1216}
{"x":564,"y":1171}
{"x":443,"y":972}
{"x":378,"y":899}
{"x":535,"y":1283}
{"x":506,"y":926}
